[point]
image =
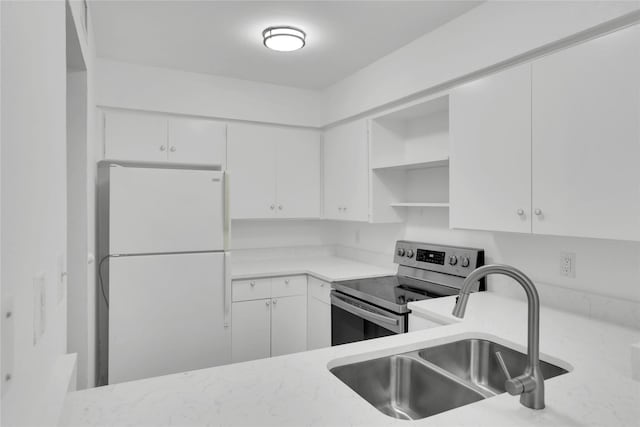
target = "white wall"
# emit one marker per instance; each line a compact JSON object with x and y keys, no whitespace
{"x":257,"y":234}
{"x":123,"y":85}
{"x":33,"y":198}
{"x":82,"y":289}
{"x":486,"y":35}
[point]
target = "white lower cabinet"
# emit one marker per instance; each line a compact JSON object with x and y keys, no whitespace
{"x":319,"y":314}
{"x":274,"y":322}
{"x":288,"y":325}
{"x":251,"y":330}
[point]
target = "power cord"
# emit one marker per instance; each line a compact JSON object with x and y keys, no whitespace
{"x":104,"y":295}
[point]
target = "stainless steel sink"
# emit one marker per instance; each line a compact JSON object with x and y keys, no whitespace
{"x":426,"y":382}
{"x":404,"y":387}
{"x":475,"y":361}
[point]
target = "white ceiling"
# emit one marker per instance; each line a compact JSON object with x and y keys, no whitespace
{"x":224,"y":37}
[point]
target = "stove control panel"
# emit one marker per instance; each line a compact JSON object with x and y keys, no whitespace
{"x":455,"y":260}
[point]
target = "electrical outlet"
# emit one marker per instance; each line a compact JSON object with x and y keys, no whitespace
{"x":568,"y":264}
{"x":39,"y":307}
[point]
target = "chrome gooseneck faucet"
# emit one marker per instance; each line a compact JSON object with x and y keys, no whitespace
{"x":529,"y":385}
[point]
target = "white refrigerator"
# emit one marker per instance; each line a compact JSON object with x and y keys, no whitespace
{"x":165,"y":291}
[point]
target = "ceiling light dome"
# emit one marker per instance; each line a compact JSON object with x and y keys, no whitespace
{"x":284,"y":38}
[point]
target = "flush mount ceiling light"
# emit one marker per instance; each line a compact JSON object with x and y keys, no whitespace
{"x":284,"y":38}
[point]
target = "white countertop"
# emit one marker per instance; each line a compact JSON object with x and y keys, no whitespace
{"x":298,"y":389}
{"x":328,"y":268}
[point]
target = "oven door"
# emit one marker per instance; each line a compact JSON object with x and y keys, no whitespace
{"x":355,"y":320}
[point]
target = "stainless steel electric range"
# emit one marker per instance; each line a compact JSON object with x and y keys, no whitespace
{"x":375,"y":307}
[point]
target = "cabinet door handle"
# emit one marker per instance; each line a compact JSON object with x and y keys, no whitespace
{"x":520,"y":212}
{"x":172,"y":149}
{"x":253,"y":284}
{"x":538,"y":211}
{"x":272,"y":207}
{"x":280,"y":207}
{"x":286,"y":282}
{"x":266,"y":303}
{"x":275,"y":301}
{"x":163,"y":148}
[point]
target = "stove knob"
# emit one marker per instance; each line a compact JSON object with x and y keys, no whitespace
{"x":409,"y":253}
{"x":465,"y":261}
{"x":400,"y":252}
{"x":453,"y":260}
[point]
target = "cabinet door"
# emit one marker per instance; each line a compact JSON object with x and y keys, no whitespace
{"x":198,"y":141}
{"x":131,"y":136}
{"x":333,"y":174}
{"x":251,"y":330}
{"x":288,"y":325}
{"x":153,"y":301}
{"x":252,"y":171}
{"x":319,"y":324}
{"x":298,"y":173}
{"x":490,"y":166}
{"x":586,"y":139}
{"x":346,"y":172}
{"x":356,"y":181}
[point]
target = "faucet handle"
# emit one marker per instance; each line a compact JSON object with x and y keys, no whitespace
{"x":503,"y":365}
{"x":514,"y":386}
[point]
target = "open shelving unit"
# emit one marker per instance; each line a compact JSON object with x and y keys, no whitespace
{"x":409,"y":159}
{"x":421,"y":164}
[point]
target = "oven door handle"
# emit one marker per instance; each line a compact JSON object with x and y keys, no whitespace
{"x":366,"y":314}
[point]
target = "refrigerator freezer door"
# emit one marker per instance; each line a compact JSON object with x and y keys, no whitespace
{"x":154,"y":210}
{"x":166,"y":315}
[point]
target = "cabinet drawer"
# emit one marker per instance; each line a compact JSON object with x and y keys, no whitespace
{"x":288,"y":286}
{"x":244,"y":290}
{"x":320,"y":290}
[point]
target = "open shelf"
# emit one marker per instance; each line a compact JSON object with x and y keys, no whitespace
{"x":409,"y":159}
{"x":421,"y":205}
{"x":432,"y":163}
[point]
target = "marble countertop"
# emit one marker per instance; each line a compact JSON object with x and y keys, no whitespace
{"x":298,"y":389}
{"x":328,"y":268}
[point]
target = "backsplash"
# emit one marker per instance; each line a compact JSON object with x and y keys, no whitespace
{"x":607,"y":282}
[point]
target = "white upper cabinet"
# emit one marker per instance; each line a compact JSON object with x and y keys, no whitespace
{"x":154,"y":138}
{"x":252,"y":171}
{"x":586,"y":130}
{"x":555,"y":152}
{"x":346,"y":172}
{"x":275,"y":172}
{"x":490,"y":165}
{"x":137,"y":137}
{"x":197,"y":141}
{"x":298,"y":173}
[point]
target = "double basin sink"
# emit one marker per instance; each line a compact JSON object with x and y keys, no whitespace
{"x":426,"y":382}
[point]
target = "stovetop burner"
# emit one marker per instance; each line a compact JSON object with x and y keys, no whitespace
{"x":392,"y":292}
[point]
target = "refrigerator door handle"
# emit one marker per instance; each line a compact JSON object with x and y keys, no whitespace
{"x":227,"y":289}
{"x":226,"y":215}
